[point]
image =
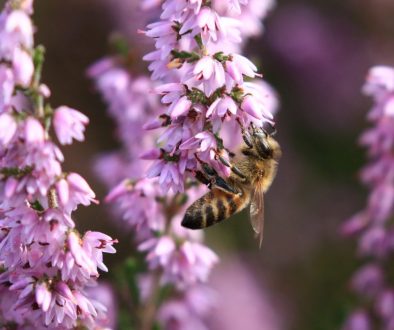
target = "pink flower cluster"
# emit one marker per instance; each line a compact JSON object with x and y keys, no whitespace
{"x":131,"y":104}
{"x":205,"y":86}
{"x":45,"y":263}
{"x":154,"y":217}
{"x":252,"y":14}
{"x":376,"y":233}
{"x":204,"y":91}
{"x":188,"y":312}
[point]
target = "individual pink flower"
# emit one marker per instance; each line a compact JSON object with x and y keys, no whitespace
{"x":69,"y":124}
{"x":104,"y":295}
{"x":358,"y":320}
{"x":180,"y":107}
{"x":16,"y":30}
{"x":368,"y":280}
{"x":78,"y":192}
{"x":34,"y":132}
{"x":23,"y":67}
{"x":8,"y":128}
{"x":222,"y":107}
{"x":7,"y":84}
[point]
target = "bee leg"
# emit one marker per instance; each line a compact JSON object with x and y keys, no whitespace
{"x":252,"y":128}
{"x":212,"y":179}
{"x":230,"y":153}
{"x":215,"y":182}
{"x":232,"y":167}
{"x":245,"y":135}
{"x":247,"y":139}
{"x":238,"y":172}
{"x":210,"y":171}
{"x":221,"y":184}
{"x":218,"y":182}
{"x":201,"y":177}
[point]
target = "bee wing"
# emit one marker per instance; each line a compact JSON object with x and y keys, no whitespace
{"x":257,"y":213}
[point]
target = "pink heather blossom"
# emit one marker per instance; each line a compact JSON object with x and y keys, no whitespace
{"x":188,"y":312}
{"x":385,"y":304}
{"x":131,"y":100}
{"x":222,"y":107}
{"x":34,"y":132}
{"x":251,"y":299}
{"x":368,"y":280}
{"x":7,"y":84}
{"x":137,"y":202}
{"x":16,"y":31}
{"x":372,"y":225}
{"x":187,"y":263}
{"x":69,"y":124}
{"x":23,"y":67}
{"x":103,"y":295}
{"x":45,"y":262}
{"x":250,"y":12}
{"x":8,"y":128}
{"x":358,"y":320}
{"x":181,"y":107}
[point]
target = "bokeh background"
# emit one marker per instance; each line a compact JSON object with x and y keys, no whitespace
{"x":316,"y":54}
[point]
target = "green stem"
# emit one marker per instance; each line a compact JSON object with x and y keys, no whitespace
{"x":38,"y":59}
{"x":148,"y":314}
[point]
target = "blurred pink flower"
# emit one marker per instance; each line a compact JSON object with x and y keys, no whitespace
{"x":243,"y":303}
{"x":103,"y":295}
{"x":373,"y":223}
{"x":69,"y":124}
{"x":23,"y":67}
{"x":358,"y":320}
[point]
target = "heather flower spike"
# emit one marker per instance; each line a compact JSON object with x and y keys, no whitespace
{"x":204,"y":85}
{"x":373,"y":224}
{"x":199,"y":99}
{"x":46,"y":264}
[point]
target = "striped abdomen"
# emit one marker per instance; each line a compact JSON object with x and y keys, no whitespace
{"x":213,"y":207}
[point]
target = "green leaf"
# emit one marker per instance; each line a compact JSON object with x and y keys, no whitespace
{"x":125,"y":321}
{"x":156,"y":326}
{"x":198,"y":40}
{"x":120,"y":45}
{"x":131,"y":269}
{"x":37,"y":206}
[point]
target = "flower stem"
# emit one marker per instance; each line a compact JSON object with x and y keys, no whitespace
{"x":38,"y":59}
{"x":148,"y":313}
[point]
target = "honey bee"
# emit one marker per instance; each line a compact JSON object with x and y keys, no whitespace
{"x":251,"y":176}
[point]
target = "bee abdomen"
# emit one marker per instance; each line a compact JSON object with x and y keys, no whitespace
{"x":193,"y":219}
{"x":211,"y":209}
